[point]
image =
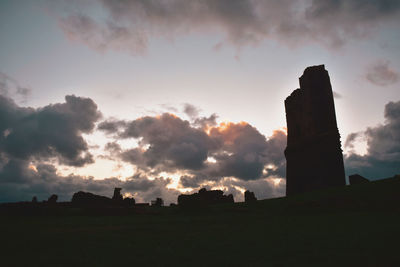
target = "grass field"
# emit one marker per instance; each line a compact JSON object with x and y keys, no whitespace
{"x":350,"y":226}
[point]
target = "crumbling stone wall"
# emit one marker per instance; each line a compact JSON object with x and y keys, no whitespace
{"x":313,"y":153}
{"x":204,"y":197}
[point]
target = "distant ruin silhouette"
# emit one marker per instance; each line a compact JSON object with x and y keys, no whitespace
{"x":158,"y":202}
{"x":87,"y":199}
{"x":117,"y":197}
{"x":52,"y":199}
{"x":249,"y":196}
{"x":313,"y":153}
{"x":204,"y":197}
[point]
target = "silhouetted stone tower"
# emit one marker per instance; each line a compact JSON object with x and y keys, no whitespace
{"x":313,"y":153}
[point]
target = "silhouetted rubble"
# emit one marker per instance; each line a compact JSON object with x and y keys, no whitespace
{"x":357,"y":179}
{"x":249,"y":196}
{"x":204,"y":197}
{"x":313,"y":153}
{"x":52,"y":199}
{"x":88,"y":199}
{"x":158,"y":202}
{"x":91,"y":200}
{"x":129,"y":202}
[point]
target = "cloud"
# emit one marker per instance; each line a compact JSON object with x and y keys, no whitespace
{"x":381,"y":74}
{"x":9,"y":87}
{"x":130,"y":25}
{"x":102,"y":37}
{"x":262,"y":188}
{"x":168,"y":143}
{"x":31,"y":138}
{"x":383,"y":147}
{"x":351,"y":138}
{"x":34,"y":141}
{"x":192,"y":181}
{"x":191,"y":111}
{"x":245,"y":153}
{"x":53,"y":131}
{"x":173,"y":143}
{"x":111,"y":126}
{"x":206,"y":122}
{"x":19,"y":181}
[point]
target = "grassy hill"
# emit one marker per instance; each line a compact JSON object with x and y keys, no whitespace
{"x":355,"y":225}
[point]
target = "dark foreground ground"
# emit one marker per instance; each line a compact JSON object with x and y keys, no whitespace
{"x":351,"y":226}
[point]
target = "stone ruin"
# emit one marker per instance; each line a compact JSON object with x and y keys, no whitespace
{"x":204,"y":197}
{"x":117,"y":197}
{"x":88,"y":199}
{"x":249,"y":196}
{"x":92,"y":200}
{"x":313,"y":153}
{"x":52,"y":199}
{"x":159,"y":202}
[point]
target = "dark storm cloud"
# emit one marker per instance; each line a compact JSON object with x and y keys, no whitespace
{"x":335,"y":21}
{"x":173,"y":143}
{"x":52,"y":131}
{"x":131,"y":24}
{"x":192,"y":181}
{"x":382,"y":74}
{"x":168,"y":143}
{"x":383,"y":152}
{"x":244,"y":152}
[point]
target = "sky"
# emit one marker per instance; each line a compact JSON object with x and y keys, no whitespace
{"x":166,"y":97}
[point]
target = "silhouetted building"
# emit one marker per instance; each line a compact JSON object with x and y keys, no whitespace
{"x":313,"y":153}
{"x":158,"y":202}
{"x":357,"y":179}
{"x":249,"y":196}
{"x":52,"y":199}
{"x":204,"y":197}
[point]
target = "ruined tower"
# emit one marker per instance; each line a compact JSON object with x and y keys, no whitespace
{"x":313,"y":153}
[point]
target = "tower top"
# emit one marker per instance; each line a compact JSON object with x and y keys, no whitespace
{"x":314,"y":68}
